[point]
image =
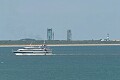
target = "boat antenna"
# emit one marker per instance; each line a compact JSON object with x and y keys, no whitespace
{"x":31,"y":44}
{"x":44,"y":41}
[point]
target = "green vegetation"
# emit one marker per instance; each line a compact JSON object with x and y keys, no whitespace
{"x":37,"y":42}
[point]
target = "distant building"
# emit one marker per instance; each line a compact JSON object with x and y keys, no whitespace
{"x":50,"y":34}
{"x":106,"y":39}
{"x":69,"y":35}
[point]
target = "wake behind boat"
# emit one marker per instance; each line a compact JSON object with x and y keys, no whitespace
{"x":34,"y":50}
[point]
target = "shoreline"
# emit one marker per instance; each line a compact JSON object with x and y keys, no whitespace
{"x":62,"y":45}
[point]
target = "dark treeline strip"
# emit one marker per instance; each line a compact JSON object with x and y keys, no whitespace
{"x":37,"y":42}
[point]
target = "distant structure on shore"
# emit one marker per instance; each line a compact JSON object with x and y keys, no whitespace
{"x":108,"y":37}
{"x":50,"y":34}
{"x":69,"y":35}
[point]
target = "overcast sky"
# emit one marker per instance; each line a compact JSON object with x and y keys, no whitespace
{"x":87,"y":19}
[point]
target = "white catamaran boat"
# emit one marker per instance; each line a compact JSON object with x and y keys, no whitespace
{"x":34,"y":50}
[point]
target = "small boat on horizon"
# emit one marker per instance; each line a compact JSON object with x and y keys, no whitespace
{"x":34,"y":50}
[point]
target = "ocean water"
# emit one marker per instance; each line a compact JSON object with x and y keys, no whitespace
{"x":69,"y":63}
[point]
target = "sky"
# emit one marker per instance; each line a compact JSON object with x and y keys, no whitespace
{"x":87,"y":19}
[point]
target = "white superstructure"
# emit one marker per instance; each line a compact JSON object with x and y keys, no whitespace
{"x":34,"y":50}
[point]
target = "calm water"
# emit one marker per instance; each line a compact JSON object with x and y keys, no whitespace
{"x":69,"y":63}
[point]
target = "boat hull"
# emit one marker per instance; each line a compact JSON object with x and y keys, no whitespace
{"x":32,"y":54}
